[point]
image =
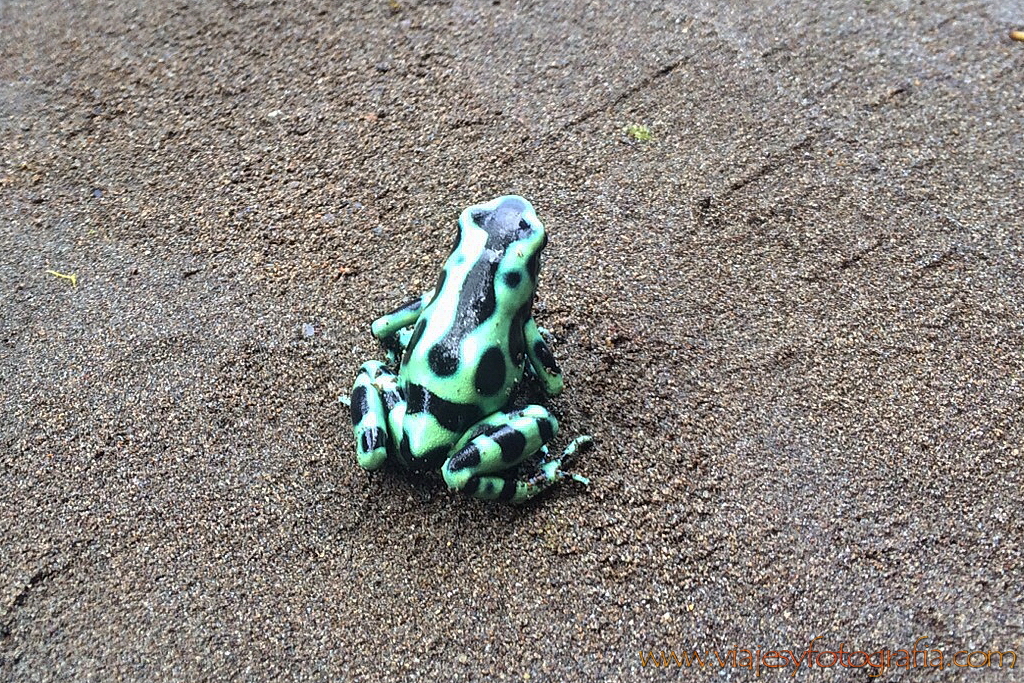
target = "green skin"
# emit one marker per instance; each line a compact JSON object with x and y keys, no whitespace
{"x":463,"y":348}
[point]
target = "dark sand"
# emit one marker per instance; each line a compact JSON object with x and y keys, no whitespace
{"x":792,"y":321}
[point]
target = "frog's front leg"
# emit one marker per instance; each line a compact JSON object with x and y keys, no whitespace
{"x":542,"y":360}
{"x":403,"y":316}
{"x":484,"y":461}
{"x":393,"y":329}
{"x":373,"y":400}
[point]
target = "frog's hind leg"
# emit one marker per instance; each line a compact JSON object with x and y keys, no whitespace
{"x":484,"y":464}
{"x":373,"y":387}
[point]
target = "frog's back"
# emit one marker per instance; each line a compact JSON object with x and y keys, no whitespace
{"x":468,"y":345}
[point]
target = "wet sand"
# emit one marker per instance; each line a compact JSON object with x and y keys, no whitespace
{"x":791,"y":321}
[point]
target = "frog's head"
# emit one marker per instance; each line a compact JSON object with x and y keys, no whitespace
{"x":514,"y":234}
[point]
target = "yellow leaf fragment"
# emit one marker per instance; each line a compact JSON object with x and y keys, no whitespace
{"x":71,"y":278}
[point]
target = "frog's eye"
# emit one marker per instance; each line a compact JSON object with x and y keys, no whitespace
{"x":525,"y":229}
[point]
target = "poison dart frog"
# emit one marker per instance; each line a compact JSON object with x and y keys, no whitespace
{"x":455,"y":358}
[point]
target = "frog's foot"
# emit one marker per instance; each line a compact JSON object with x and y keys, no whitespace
{"x":568,"y":455}
{"x":395,"y":345}
{"x":369,"y":417}
{"x":550,"y":471}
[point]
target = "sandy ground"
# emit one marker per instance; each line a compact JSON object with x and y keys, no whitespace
{"x":792,"y":321}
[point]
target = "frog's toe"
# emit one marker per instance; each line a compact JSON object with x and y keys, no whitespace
{"x":580,"y":442}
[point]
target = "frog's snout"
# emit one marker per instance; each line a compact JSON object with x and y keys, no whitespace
{"x":512,"y":204}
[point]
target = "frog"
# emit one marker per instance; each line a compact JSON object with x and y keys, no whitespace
{"x":442,"y":400}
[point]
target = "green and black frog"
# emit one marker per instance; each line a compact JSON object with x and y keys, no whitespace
{"x":455,"y":358}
